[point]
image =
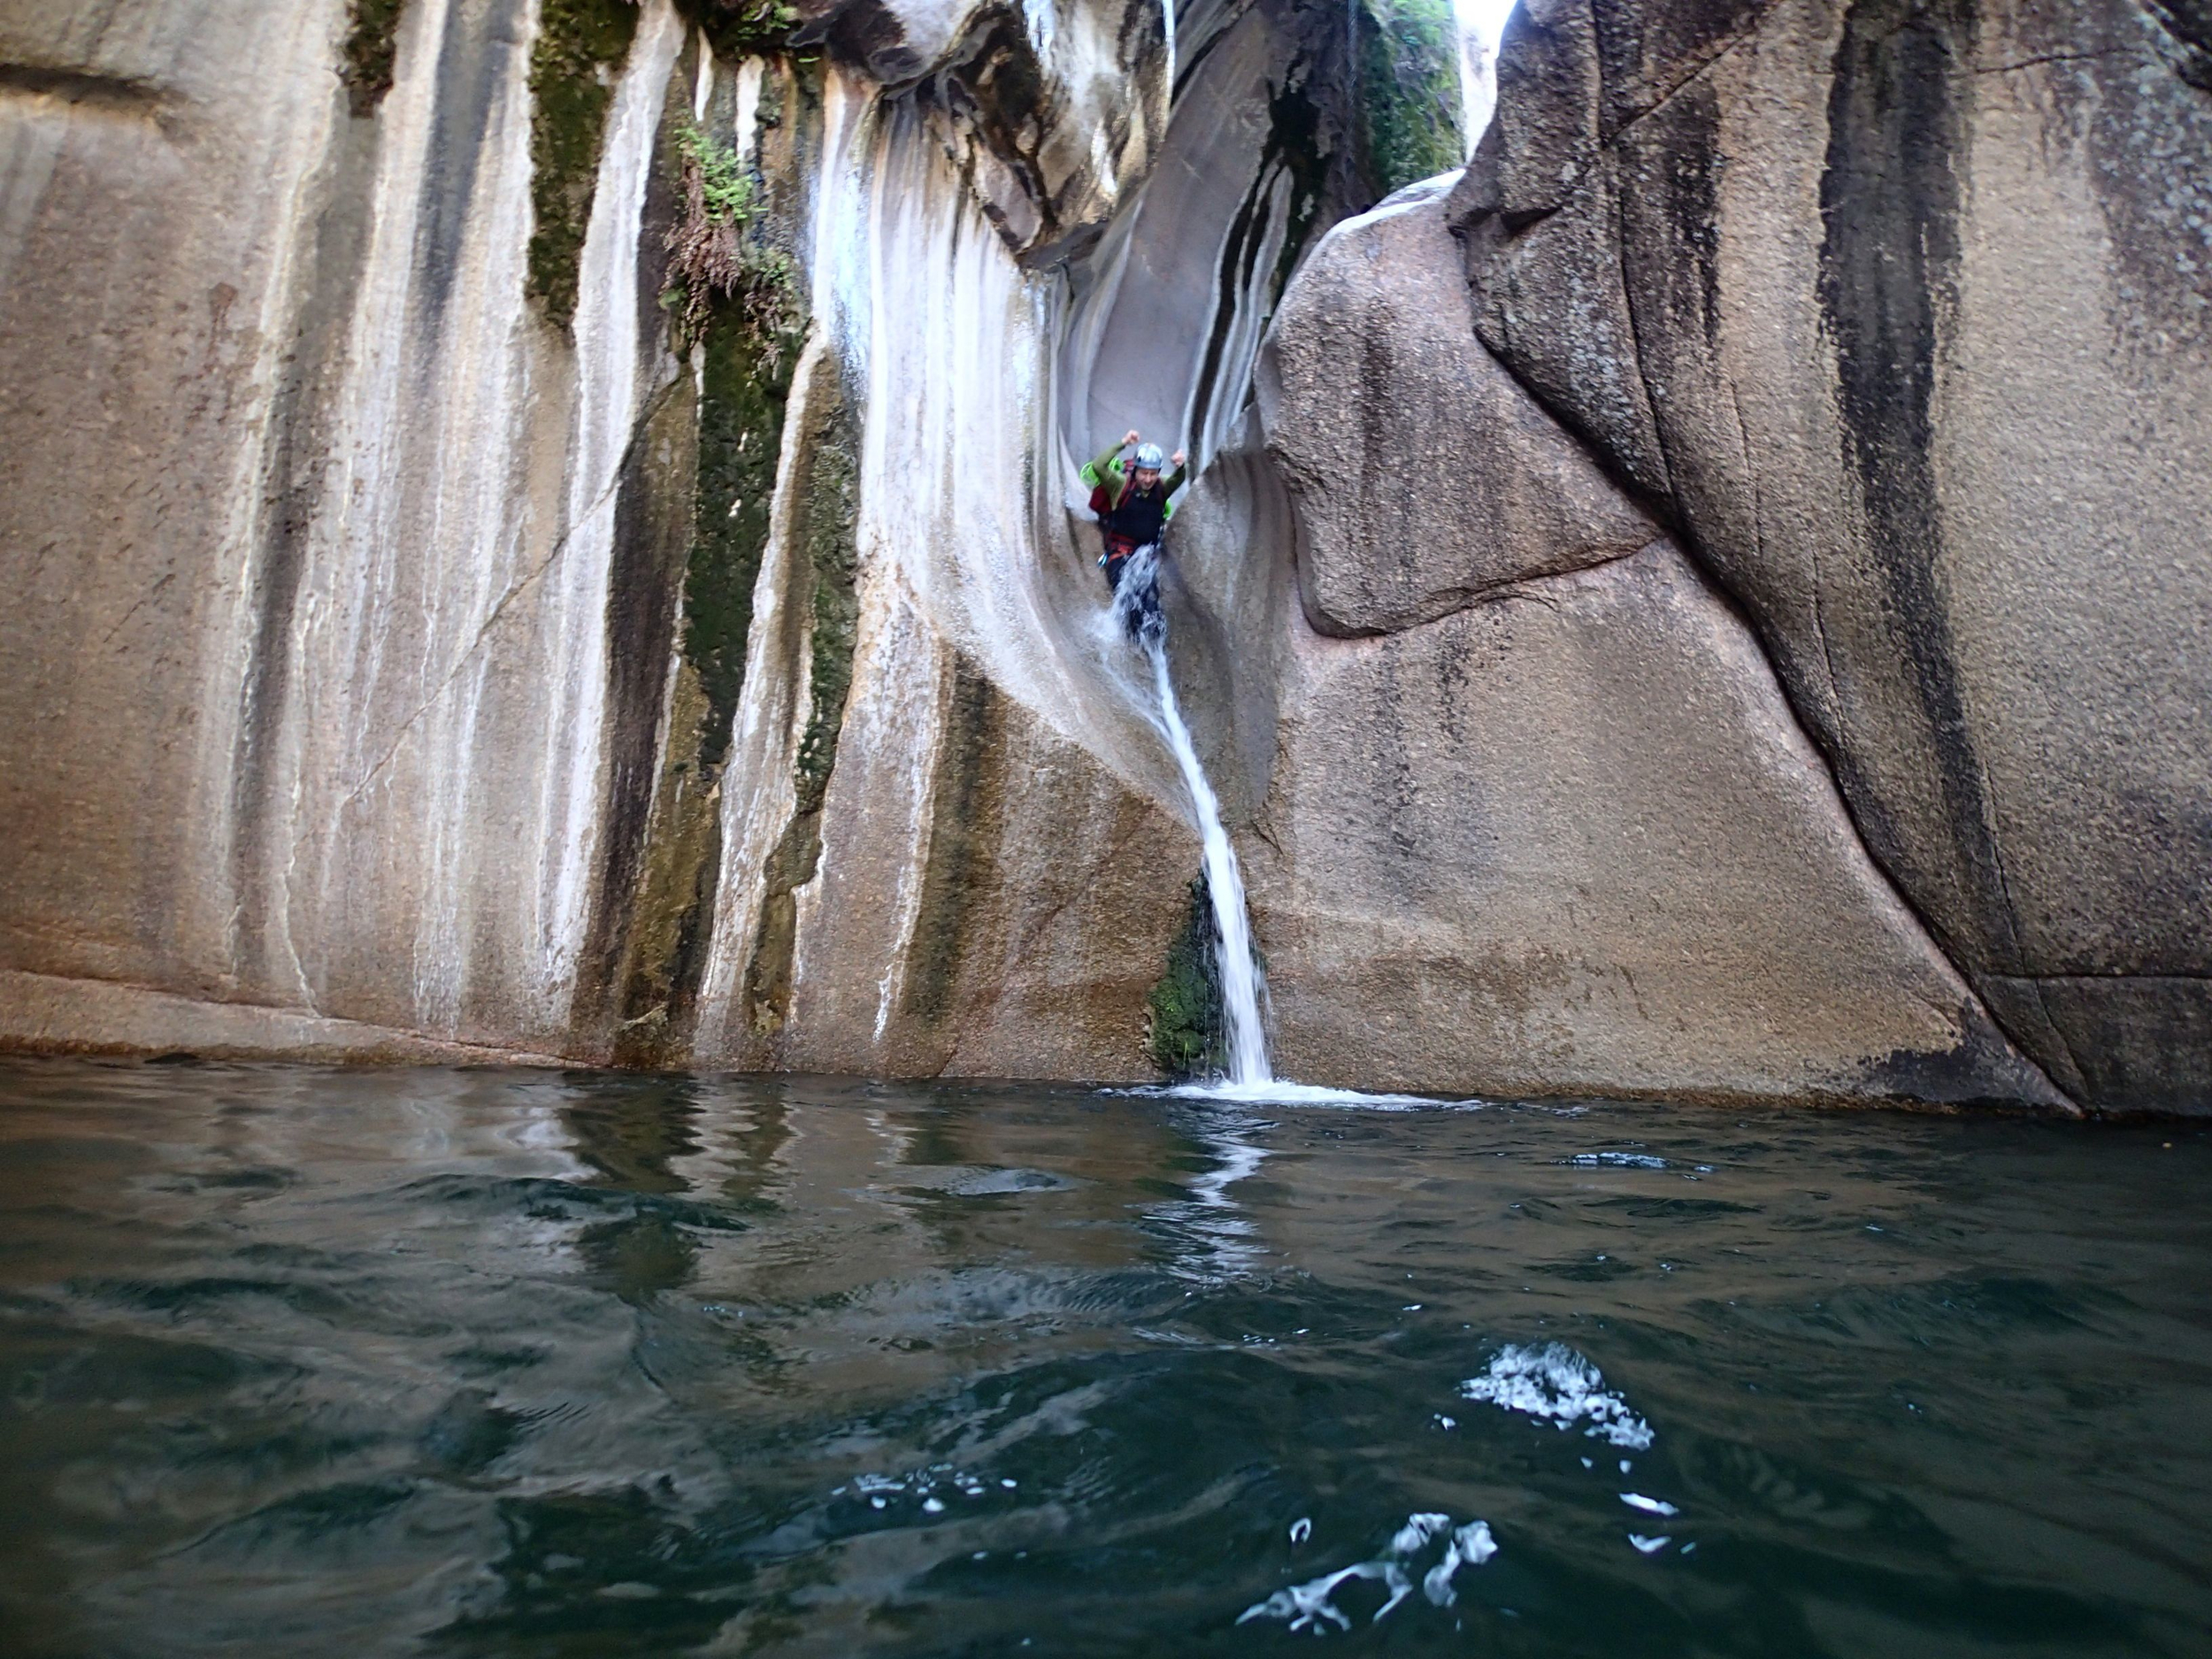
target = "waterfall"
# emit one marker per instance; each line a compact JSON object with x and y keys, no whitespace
{"x":1137,"y":604}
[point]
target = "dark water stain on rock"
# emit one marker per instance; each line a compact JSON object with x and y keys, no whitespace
{"x":300,"y":421}
{"x":965,"y":813}
{"x":1890,"y":202}
{"x":473,"y":56}
{"x":651,"y":533}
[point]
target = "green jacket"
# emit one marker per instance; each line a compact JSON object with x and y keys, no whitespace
{"x":1107,"y":472}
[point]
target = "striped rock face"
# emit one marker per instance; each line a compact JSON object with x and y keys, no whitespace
{"x":550,"y":527}
{"x":432,"y":636}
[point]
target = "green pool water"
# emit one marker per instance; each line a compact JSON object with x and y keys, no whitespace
{"x":301,"y":1362}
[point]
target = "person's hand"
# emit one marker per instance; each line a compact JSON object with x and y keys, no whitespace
{"x":1176,"y":458}
{"x":1130,"y":439}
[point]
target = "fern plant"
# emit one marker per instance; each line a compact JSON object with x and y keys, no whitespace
{"x":719,"y":247}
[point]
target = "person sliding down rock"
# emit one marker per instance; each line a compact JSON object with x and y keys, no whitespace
{"x":1131,"y":502}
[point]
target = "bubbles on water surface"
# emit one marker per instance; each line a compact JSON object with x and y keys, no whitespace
{"x":927,"y":1488}
{"x":1559,"y":1385}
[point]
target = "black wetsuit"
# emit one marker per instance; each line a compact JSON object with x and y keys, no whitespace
{"x":1135,"y":522}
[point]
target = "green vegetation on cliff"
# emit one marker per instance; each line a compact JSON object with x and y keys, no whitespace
{"x":744,"y":331}
{"x":371,"y":45}
{"x":1188,"y":1030}
{"x":732,"y":291}
{"x":720,"y":248}
{"x":1409,"y":113}
{"x":579,"y":49}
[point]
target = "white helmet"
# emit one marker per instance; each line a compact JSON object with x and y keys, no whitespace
{"x":1148,"y":458}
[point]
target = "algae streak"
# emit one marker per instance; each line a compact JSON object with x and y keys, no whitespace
{"x":744,"y":387}
{"x":967,"y":815}
{"x":747,"y":381}
{"x":825,"y":482}
{"x":579,"y":49}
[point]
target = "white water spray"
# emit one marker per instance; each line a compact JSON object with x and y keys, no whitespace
{"x":1137,"y":604}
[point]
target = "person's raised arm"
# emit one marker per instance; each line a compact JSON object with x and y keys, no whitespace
{"x":1096,"y":473}
{"x":1175,"y":479}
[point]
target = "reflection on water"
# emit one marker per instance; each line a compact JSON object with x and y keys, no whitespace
{"x":506,"y":1363}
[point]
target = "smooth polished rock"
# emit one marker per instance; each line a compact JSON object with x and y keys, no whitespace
{"x":1572,"y":839}
{"x":1423,"y":476}
{"x":1912,"y":300}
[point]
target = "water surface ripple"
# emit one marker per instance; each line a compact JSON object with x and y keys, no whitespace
{"x":490,"y":1364}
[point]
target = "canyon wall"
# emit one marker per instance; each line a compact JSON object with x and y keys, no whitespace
{"x":549,"y":528}
{"x":433,"y":628}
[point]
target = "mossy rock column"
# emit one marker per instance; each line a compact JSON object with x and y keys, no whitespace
{"x":1187,"y":1030}
{"x":1409,"y":104}
{"x":579,"y":49}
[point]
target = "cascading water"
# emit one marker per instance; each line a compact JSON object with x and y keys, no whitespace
{"x":1137,"y":604}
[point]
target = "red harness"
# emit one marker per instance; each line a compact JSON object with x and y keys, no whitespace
{"x":1105,"y":503}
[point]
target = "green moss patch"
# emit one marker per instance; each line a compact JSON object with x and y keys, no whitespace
{"x":581,"y":47}
{"x":371,"y":45}
{"x":1409,"y":114}
{"x":1188,"y":1035}
{"x":829,"y":513}
{"x":747,"y":381}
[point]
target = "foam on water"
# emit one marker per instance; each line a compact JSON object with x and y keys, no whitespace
{"x":1559,"y":1385}
{"x":1306,"y":1606}
{"x":1273,"y":1091}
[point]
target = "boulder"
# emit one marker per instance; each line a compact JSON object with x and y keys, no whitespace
{"x":1545,"y":823}
{"x":1897,"y":314}
{"x":1570,"y":840}
{"x":1388,"y":426}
